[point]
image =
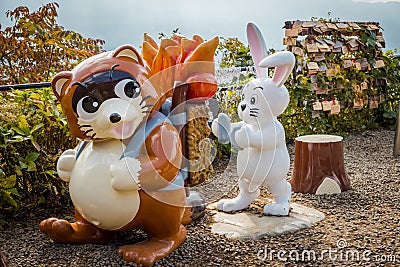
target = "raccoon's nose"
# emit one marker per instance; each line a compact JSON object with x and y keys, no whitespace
{"x":243,"y":106}
{"x":115,"y":117}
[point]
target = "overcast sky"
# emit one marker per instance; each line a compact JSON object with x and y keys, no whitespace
{"x":124,"y":21}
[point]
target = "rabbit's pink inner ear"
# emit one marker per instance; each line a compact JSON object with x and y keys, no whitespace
{"x":257,"y":47}
{"x":281,"y":74}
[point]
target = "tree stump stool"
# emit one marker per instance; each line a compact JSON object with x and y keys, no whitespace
{"x":319,"y":165}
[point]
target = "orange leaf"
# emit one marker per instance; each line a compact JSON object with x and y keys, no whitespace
{"x":150,"y":40}
{"x":168,"y":42}
{"x":148,"y":52}
{"x":177,"y":37}
{"x":174,"y":52}
{"x":198,"y":39}
{"x":157,"y":62}
{"x":188,"y":45}
{"x":205,"y":51}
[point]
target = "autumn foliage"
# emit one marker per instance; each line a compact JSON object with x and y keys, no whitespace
{"x":33,"y":131}
{"x":35,"y":47}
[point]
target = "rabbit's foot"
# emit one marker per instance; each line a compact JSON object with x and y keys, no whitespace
{"x":229,"y":205}
{"x":240,"y":202}
{"x":277,"y":209}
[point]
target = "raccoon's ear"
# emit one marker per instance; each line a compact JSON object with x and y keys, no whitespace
{"x":129,"y":52}
{"x":58,"y":82}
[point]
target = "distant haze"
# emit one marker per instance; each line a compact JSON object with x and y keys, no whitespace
{"x":122,"y":21}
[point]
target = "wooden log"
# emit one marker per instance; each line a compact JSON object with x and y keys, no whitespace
{"x":200,"y":152}
{"x":319,"y":165}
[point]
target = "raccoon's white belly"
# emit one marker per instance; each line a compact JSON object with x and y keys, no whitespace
{"x":91,"y":190}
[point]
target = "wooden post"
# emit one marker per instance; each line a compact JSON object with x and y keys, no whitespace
{"x":196,"y":146}
{"x":396,"y":146}
{"x":319,"y":165}
{"x":3,"y":260}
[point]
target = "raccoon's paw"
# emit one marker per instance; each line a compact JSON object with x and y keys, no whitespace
{"x":125,"y":174}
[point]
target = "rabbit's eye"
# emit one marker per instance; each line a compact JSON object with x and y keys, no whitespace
{"x":253,"y":99}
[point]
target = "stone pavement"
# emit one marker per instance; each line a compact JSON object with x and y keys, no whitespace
{"x":250,"y":224}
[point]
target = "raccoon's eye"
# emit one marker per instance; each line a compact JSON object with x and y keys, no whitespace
{"x":87,"y":106}
{"x":253,"y":99}
{"x":132,"y":89}
{"x":90,"y":104}
{"x":127,"y":88}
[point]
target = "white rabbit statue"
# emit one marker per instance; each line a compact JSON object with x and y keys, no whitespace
{"x":263,"y":159}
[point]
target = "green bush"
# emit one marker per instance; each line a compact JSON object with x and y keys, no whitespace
{"x":33,"y":133}
{"x":297,"y":118}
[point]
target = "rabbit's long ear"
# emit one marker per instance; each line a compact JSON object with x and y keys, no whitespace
{"x":283,"y":63}
{"x":258,"y":49}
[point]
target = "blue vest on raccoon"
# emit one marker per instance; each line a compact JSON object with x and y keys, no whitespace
{"x":137,"y":141}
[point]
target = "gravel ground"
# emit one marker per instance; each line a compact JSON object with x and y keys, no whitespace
{"x":362,"y":226}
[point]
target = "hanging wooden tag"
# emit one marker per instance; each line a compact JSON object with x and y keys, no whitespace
{"x":323,"y":47}
{"x":331,"y":26}
{"x":358,"y":103}
{"x":289,"y":41}
{"x":319,"y":56}
{"x":312,"y":48}
{"x":381,"y":40}
{"x":291,"y":32}
{"x":347,"y":63}
{"x":338,"y":44}
{"x":364,"y":86}
{"x":373,"y":103}
{"x":326,"y":105}
{"x":379,"y":64}
{"x":317,"y":106}
{"x":345,"y":50}
{"x":364,"y":63}
{"x":312,"y":67}
{"x":335,"y":109}
{"x":298,"y":51}
{"x":330,"y":72}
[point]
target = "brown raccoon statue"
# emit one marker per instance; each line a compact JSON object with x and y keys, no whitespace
{"x":107,"y":100}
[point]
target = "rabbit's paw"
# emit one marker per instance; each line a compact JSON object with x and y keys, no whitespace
{"x":243,"y":137}
{"x":214,"y":127}
{"x":277,"y":209}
